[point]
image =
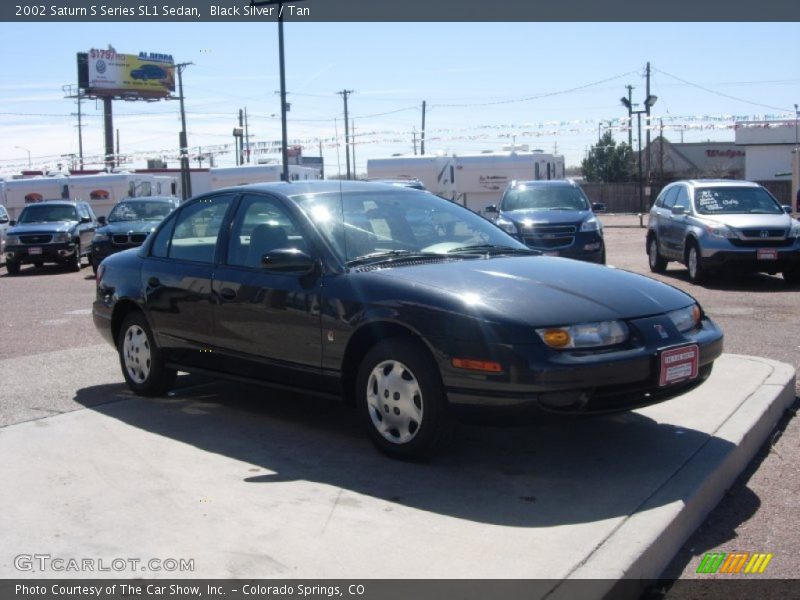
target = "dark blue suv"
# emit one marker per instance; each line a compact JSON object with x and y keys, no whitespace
{"x":552,"y":216}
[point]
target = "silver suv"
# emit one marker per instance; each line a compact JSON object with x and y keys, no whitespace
{"x":711,"y":224}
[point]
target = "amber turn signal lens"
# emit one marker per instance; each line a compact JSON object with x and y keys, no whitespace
{"x":486,"y":366}
{"x":556,"y":338}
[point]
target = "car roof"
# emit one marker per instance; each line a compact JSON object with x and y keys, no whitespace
{"x":317,"y":186}
{"x":720,"y":183}
{"x":544,"y":182}
{"x":170,"y":199}
{"x":58,"y":201}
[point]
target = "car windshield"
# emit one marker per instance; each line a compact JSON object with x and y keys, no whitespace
{"x":43,"y":213}
{"x":735,"y":200}
{"x":139,"y":211}
{"x":402,"y":222}
{"x":544,"y":197}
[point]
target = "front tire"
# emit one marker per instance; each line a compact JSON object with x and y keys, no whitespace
{"x":141,"y":359}
{"x":792,"y":276}
{"x":75,"y":263}
{"x":694,"y":263}
{"x":12,"y":267}
{"x":401,"y":400}
{"x":658,"y":264}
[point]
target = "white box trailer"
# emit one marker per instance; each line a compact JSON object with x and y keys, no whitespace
{"x":474,"y":180}
{"x":102,"y":191}
{"x":436,"y":173}
{"x":214,"y":178}
{"x":482,"y":178}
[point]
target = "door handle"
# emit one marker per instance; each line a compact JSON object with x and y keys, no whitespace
{"x":153,"y":282}
{"x":227,"y":294}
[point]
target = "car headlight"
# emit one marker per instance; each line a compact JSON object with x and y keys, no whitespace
{"x":12,"y":240}
{"x":794,"y":232}
{"x":685,"y":319}
{"x":591,"y":224}
{"x":61,"y":236}
{"x":506,"y":225}
{"x":100,"y":237}
{"x":721,"y":231}
{"x":585,"y":335}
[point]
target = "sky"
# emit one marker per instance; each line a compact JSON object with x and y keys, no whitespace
{"x":550,"y":86}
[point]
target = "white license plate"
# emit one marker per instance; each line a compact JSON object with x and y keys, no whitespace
{"x":34,"y":250}
{"x":766,"y":254}
{"x":679,"y":364}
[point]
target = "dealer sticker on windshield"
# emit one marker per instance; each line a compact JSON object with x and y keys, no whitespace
{"x":679,"y":364}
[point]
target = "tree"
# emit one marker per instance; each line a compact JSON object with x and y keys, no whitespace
{"x":607,"y":161}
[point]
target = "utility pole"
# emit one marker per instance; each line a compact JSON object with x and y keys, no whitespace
{"x":422,"y":133}
{"x":414,"y":139}
{"x":344,"y":94}
{"x":661,"y":150}
{"x":353,"y":144}
{"x":200,"y":156}
{"x":321,"y":162}
{"x":647,"y":132}
{"x":241,"y":139}
{"x":108,"y":126}
{"x":630,"y":115}
{"x":186,"y":181}
{"x":246,"y":136}
{"x":80,"y":133}
{"x":117,"y":156}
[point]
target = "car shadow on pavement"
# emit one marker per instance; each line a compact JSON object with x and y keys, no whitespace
{"x":567,"y":472}
{"x":31,"y":271}
{"x":734,"y":282}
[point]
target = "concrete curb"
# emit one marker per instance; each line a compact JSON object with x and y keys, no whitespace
{"x":645,"y":544}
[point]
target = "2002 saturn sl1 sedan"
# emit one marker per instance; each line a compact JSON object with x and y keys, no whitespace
{"x":404,"y":303}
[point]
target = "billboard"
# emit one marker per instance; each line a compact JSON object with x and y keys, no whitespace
{"x":109,"y":73}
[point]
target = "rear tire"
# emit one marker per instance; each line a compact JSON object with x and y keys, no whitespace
{"x":401,"y":400}
{"x":694,"y":263}
{"x":141,"y":359}
{"x":658,"y":264}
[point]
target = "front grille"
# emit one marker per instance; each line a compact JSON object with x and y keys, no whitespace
{"x":40,"y":238}
{"x":760,"y":243}
{"x":549,"y":236}
{"x":770,"y":233}
{"x":128,"y":239}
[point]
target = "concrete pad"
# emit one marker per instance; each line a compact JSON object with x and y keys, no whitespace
{"x":252,"y":483}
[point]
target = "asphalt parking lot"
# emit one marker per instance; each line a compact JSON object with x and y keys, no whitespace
{"x":48,"y":311}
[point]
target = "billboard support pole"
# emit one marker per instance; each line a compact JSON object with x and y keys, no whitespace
{"x":186,"y":181}
{"x":108,"y":122}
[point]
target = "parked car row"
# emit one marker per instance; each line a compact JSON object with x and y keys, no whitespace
{"x":64,"y":232}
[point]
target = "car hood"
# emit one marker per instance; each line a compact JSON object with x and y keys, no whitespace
{"x":53,"y":227}
{"x":541,"y":290}
{"x":128,"y":227}
{"x":751,"y":221}
{"x":546,"y":217}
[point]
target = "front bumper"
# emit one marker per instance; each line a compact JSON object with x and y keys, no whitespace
{"x":748,"y":258}
{"x":572,"y":382}
{"x":58,"y":252}
{"x":587,"y":246}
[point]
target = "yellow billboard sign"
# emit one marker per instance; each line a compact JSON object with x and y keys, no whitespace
{"x":146,"y":74}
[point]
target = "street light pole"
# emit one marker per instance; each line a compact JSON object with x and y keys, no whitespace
{"x":29,"y":152}
{"x":284,"y":140}
{"x":186,"y":180}
{"x":648,"y":104}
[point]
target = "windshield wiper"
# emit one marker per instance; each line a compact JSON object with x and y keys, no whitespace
{"x":389,"y":255}
{"x":493,"y":249}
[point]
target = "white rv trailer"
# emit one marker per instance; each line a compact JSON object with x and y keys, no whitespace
{"x":214,"y":178}
{"x":102,"y":191}
{"x":474,"y":180}
{"x":436,"y":173}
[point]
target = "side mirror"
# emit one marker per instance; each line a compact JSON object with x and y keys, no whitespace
{"x":491,"y":210}
{"x":3,"y":220}
{"x":287,"y":259}
{"x":598,"y":207}
{"x":678,"y":210}
{"x":787,"y":209}
{"x":86,"y":219}
{"x":12,"y":222}
{"x":102,"y":220}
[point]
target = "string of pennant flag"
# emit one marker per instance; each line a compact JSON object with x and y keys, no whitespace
{"x":549,"y":129}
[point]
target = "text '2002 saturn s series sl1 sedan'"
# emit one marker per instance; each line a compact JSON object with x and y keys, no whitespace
{"x":404,"y":303}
